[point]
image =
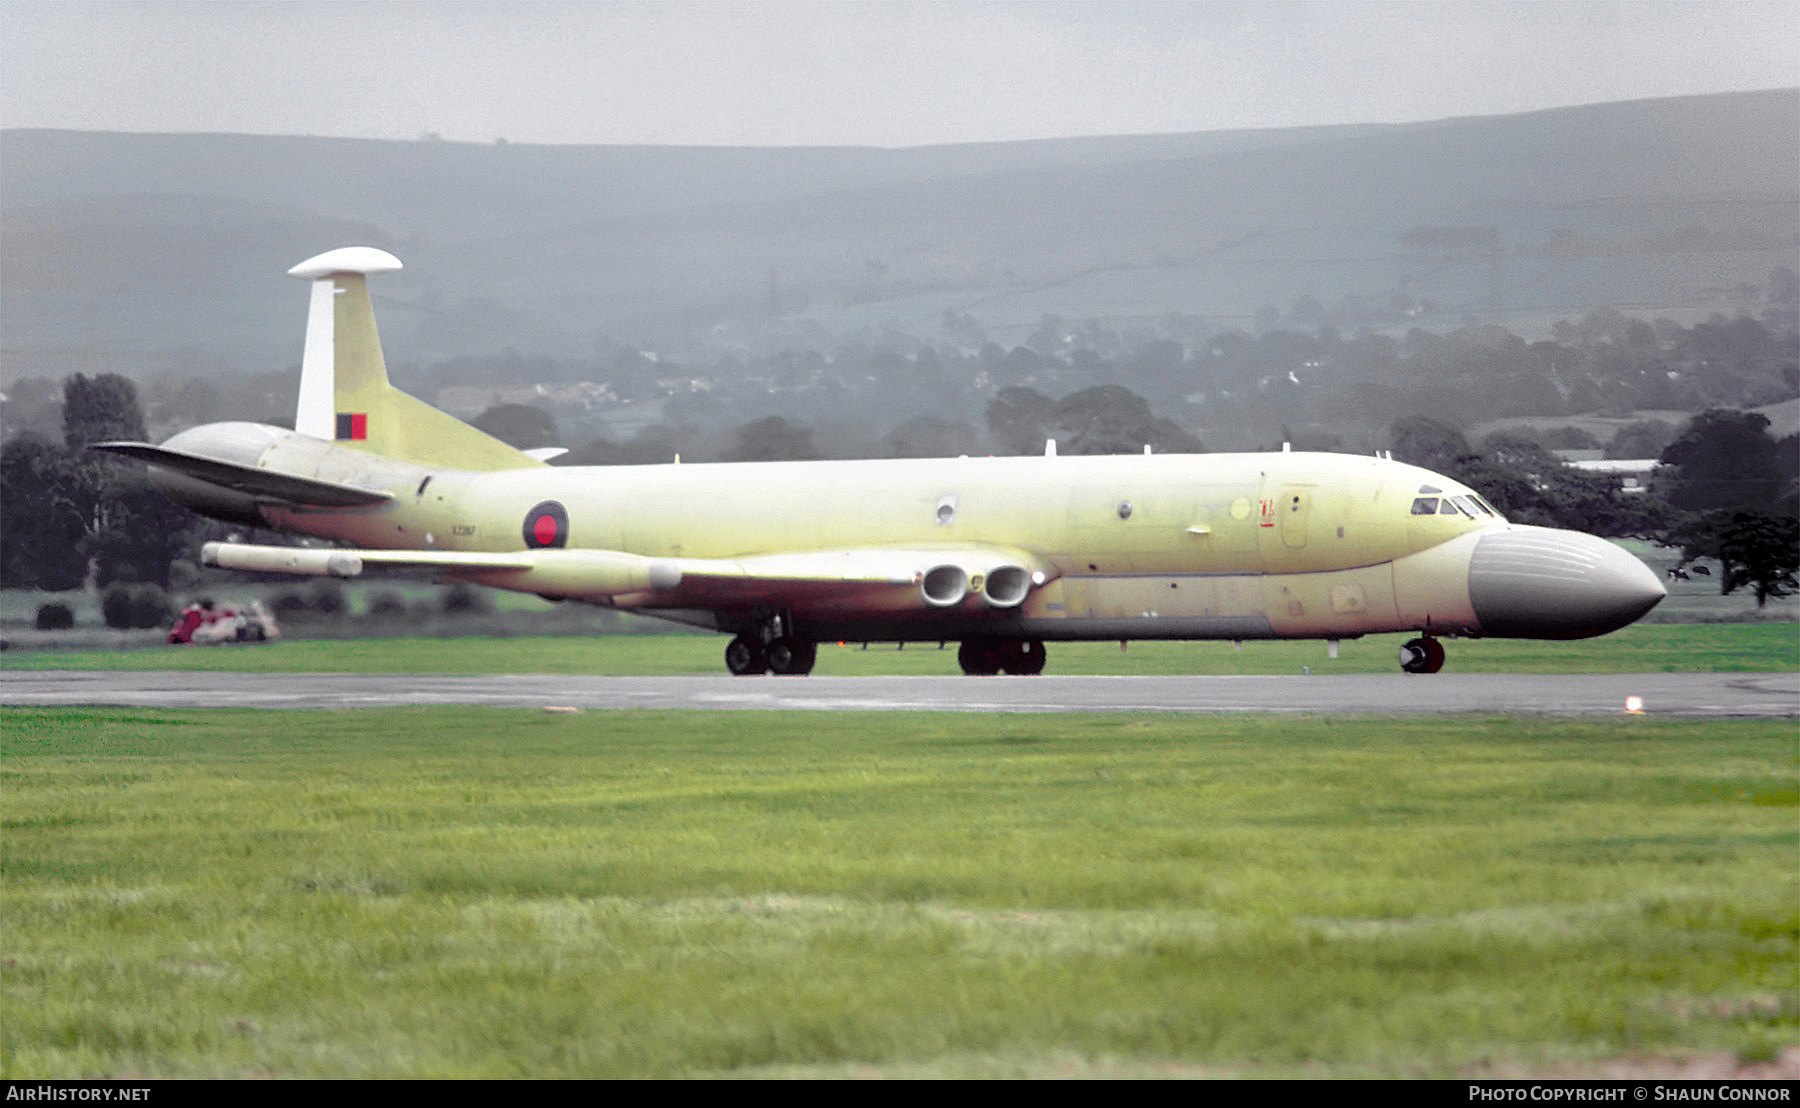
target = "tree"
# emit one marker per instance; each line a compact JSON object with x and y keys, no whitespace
{"x":519,"y":425}
{"x":68,"y":510}
{"x":43,"y":506}
{"x":1111,"y":419}
{"x":1754,"y":549}
{"x":126,"y":606}
{"x":930,"y":437}
{"x":1530,"y":484}
{"x":1761,"y":551}
{"x":1521,"y":452}
{"x":101,"y":409}
{"x":1508,"y":488}
{"x":1019,"y":419}
{"x":772,"y":440}
{"x":1018,"y":364}
{"x":1647,"y":438}
{"x":1423,"y":441}
{"x":135,"y":532}
{"x":31,"y":405}
{"x":1725,"y":460}
{"x":1732,"y":486}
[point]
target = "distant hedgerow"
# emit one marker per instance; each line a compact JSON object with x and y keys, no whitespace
{"x":134,"y":606}
{"x":54,"y":616}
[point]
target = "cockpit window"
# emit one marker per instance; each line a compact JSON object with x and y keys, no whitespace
{"x":1465,"y":504}
{"x":1429,"y":489}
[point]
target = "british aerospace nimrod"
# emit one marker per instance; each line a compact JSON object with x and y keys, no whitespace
{"x":998,"y":554}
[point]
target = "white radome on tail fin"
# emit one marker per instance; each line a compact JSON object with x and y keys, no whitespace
{"x":347,"y":259}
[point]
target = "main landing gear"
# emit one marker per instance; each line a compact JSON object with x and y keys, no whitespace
{"x":750,"y":655}
{"x":1424,"y":655}
{"x":771,"y":648}
{"x":986,"y":657}
{"x":745,"y":656}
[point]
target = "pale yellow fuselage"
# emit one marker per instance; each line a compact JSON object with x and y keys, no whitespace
{"x":1136,"y":546}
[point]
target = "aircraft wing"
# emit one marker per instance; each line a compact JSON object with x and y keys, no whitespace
{"x":263,"y":484}
{"x":937,"y":577}
{"x":934,"y":577}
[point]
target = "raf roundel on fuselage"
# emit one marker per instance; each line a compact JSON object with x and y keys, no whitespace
{"x":547,"y":527}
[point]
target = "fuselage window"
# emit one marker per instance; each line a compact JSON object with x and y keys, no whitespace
{"x":1425,"y":506}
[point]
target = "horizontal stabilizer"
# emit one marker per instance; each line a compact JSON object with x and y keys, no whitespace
{"x":265,"y":485}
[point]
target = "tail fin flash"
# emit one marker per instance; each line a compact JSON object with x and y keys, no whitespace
{"x":344,"y":391}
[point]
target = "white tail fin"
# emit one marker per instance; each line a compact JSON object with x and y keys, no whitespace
{"x":345,"y":396}
{"x":317,"y":413}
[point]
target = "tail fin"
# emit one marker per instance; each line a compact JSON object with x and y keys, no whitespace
{"x":344,"y":392}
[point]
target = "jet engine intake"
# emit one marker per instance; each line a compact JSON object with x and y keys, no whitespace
{"x":944,"y":585}
{"x":1007,"y":586}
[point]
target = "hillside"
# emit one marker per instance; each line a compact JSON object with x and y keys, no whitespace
{"x":144,"y":253}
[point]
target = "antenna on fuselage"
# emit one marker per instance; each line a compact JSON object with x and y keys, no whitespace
{"x":1049,"y":448}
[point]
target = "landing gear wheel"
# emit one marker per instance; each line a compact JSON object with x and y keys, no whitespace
{"x":986,"y":657}
{"x":1422,"y":656}
{"x":744,"y":657}
{"x":1027,"y":661}
{"x":978,"y":658}
{"x":793,"y":657}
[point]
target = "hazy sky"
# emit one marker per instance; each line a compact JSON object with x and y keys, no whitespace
{"x":837,"y":72}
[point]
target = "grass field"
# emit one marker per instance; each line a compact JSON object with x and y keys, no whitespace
{"x":1644,"y":648}
{"x":477,"y":893}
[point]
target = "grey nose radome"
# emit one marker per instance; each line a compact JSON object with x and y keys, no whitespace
{"x":1540,"y":583}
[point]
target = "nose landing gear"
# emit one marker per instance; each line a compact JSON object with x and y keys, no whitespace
{"x":1424,"y":655}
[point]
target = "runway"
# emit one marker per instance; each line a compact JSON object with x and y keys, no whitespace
{"x":1668,"y":695}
